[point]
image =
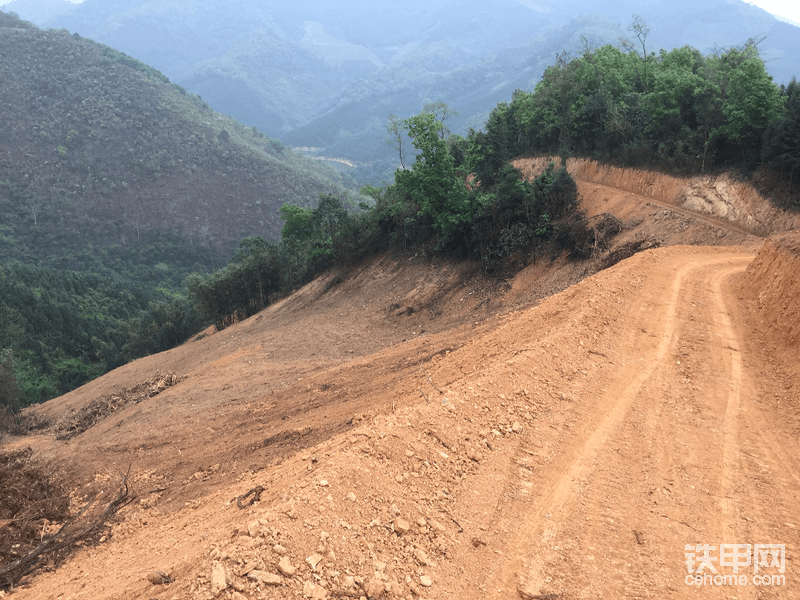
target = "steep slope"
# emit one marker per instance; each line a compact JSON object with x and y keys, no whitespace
{"x":99,"y":150}
{"x":722,"y":197}
{"x":430,"y":421}
{"x":560,"y":448}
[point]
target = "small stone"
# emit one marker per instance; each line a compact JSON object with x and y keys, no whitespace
{"x":394,"y":510}
{"x":254,"y":529}
{"x":401,"y":526}
{"x":218,"y":579}
{"x":425,"y":580}
{"x":474,"y":456}
{"x":285,"y":567}
{"x":380,"y":566}
{"x":265,"y":578}
{"x":399,"y":479}
{"x":374,"y":588}
{"x":237,"y":584}
{"x":437,"y":526}
{"x":311,"y":590}
{"x":237,"y":596}
{"x":421,"y":557}
{"x":421,"y":522}
{"x":351,"y":497}
{"x":279,"y":549}
{"x":324,"y":535}
{"x":324,"y":482}
{"x":409,"y":453}
{"x":158,"y":578}
{"x":516,"y":427}
{"x":313,"y":561}
{"x":394,"y":588}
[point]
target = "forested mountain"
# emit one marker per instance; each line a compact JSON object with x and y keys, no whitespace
{"x":99,"y":149}
{"x":326,"y":75}
{"x":114,"y":185}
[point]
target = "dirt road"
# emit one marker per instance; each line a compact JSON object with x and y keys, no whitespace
{"x":672,"y":448}
{"x":413,"y":444}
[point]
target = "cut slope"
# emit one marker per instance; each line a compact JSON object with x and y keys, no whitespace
{"x":731,"y":202}
{"x":772,"y":279}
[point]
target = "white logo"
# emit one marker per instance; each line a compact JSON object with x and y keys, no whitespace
{"x":768,"y":563}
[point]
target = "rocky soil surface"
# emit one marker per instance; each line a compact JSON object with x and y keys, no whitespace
{"x":420,"y":430}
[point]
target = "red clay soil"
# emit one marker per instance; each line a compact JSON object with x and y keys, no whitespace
{"x":421,"y":430}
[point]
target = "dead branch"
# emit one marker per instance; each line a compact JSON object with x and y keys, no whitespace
{"x":89,"y":520}
{"x":431,"y":380}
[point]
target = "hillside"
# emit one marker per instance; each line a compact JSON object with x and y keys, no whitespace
{"x":421,"y":429}
{"x":99,"y":151}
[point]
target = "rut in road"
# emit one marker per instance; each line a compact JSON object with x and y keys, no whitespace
{"x":547,"y":522}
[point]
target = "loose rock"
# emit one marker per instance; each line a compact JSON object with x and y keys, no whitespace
{"x":218,"y":579}
{"x":436,"y":525}
{"x":421,"y":557}
{"x":285,"y":567}
{"x":401,"y":526}
{"x":265,"y":578}
{"x":158,"y":578}
{"x":374,"y":588}
{"x":254,"y":529}
{"x":313,"y":561}
{"x":311,"y":590}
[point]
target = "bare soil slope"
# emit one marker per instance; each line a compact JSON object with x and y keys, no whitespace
{"x":420,"y":430}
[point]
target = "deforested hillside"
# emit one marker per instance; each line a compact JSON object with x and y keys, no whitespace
{"x":99,"y":151}
{"x":418,"y":430}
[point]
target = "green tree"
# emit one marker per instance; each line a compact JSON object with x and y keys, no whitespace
{"x":641,"y":30}
{"x":782,"y":138}
{"x":432,"y":182}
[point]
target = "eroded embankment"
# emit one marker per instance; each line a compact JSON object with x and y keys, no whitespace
{"x":773,"y":279}
{"x":720,"y":196}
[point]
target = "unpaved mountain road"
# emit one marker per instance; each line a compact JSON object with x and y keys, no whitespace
{"x":577,"y":448}
{"x":566,"y":447}
{"x":671,"y":448}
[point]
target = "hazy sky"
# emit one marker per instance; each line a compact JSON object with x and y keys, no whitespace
{"x":789,"y":9}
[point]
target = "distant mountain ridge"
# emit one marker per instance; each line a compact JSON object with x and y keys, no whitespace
{"x":98,"y":150}
{"x":38,"y":11}
{"x":328,"y":74}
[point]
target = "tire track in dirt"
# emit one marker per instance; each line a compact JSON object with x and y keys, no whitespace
{"x":534,"y":543}
{"x":730,"y":358}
